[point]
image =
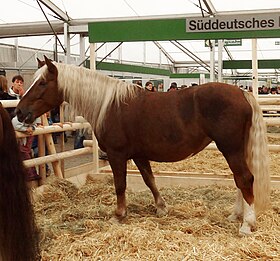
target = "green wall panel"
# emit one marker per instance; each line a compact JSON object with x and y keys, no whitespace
{"x":140,"y":30}
{"x":187,"y":75}
{"x":160,"y":30}
{"x":247,"y":64}
{"x":240,"y":64}
{"x":118,"y":67}
{"x":131,"y":68}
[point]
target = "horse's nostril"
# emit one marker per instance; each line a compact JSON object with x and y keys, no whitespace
{"x":19,"y":114}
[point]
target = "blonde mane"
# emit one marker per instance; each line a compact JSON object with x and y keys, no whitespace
{"x":90,"y":93}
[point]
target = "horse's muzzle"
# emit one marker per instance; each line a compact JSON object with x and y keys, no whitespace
{"x":24,"y":117}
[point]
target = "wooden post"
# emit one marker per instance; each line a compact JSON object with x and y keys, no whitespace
{"x":95,"y":145}
{"x":51,"y":149}
{"x":41,"y":153}
{"x":61,"y":137}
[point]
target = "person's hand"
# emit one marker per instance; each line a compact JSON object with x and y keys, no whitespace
{"x":39,"y":125}
{"x":29,"y":130}
{"x":21,"y":91}
{"x":58,"y":124}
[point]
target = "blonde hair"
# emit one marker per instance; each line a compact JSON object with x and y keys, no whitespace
{"x":3,"y":83}
{"x":257,"y":156}
{"x":90,"y":93}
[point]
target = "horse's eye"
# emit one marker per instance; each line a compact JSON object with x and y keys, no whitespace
{"x":43,"y":83}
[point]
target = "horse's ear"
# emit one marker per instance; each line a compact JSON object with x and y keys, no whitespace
{"x":40,"y":63}
{"x":51,"y":66}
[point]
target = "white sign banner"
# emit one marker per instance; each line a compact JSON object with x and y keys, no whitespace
{"x":233,"y":23}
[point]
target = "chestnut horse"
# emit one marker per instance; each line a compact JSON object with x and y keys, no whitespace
{"x":18,"y":233}
{"x":131,"y":123}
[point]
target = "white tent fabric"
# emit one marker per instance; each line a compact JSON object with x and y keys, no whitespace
{"x":20,"y":11}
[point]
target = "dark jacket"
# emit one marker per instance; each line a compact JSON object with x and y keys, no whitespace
{"x":7,"y":96}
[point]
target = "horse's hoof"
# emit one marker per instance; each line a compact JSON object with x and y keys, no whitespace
{"x":245,"y":230}
{"x":161,"y":212}
{"x":115,"y":220}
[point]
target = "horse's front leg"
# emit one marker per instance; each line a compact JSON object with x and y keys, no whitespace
{"x":118,"y":166}
{"x":149,"y":179}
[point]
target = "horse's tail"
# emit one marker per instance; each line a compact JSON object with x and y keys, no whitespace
{"x":18,"y":233}
{"x":257,"y":156}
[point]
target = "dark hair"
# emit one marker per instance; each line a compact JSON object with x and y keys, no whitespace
{"x":17,"y":77}
{"x":3,"y":83}
{"x":173,"y":85}
{"x":147,"y":83}
{"x":139,"y":83}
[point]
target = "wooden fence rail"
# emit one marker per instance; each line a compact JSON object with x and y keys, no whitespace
{"x":268,"y":103}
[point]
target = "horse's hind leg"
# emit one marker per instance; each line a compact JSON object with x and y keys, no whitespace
{"x":149,"y":179}
{"x":244,"y":181}
{"x":238,"y":207}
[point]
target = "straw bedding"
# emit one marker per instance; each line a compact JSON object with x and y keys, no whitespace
{"x":75,"y":223}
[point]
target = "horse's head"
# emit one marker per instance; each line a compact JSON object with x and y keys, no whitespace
{"x":43,"y":94}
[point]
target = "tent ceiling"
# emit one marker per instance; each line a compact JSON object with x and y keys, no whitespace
{"x":28,"y":10}
{"x":25,"y":18}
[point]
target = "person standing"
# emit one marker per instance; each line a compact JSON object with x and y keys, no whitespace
{"x":25,"y":144}
{"x":17,"y":87}
{"x":160,"y":87}
{"x":4,"y":88}
{"x":14,"y":93}
{"x":173,"y":87}
{"x":149,"y":86}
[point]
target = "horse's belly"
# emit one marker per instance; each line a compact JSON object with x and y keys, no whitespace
{"x":171,"y":154}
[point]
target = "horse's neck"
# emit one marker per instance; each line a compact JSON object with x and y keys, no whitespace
{"x":91,"y":94}
{"x":82,"y":90}
{"x":74,"y":81}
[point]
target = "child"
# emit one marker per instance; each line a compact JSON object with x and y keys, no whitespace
{"x":25,"y":144}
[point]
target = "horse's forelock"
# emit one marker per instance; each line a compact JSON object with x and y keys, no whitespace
{"x":40,"y":73}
